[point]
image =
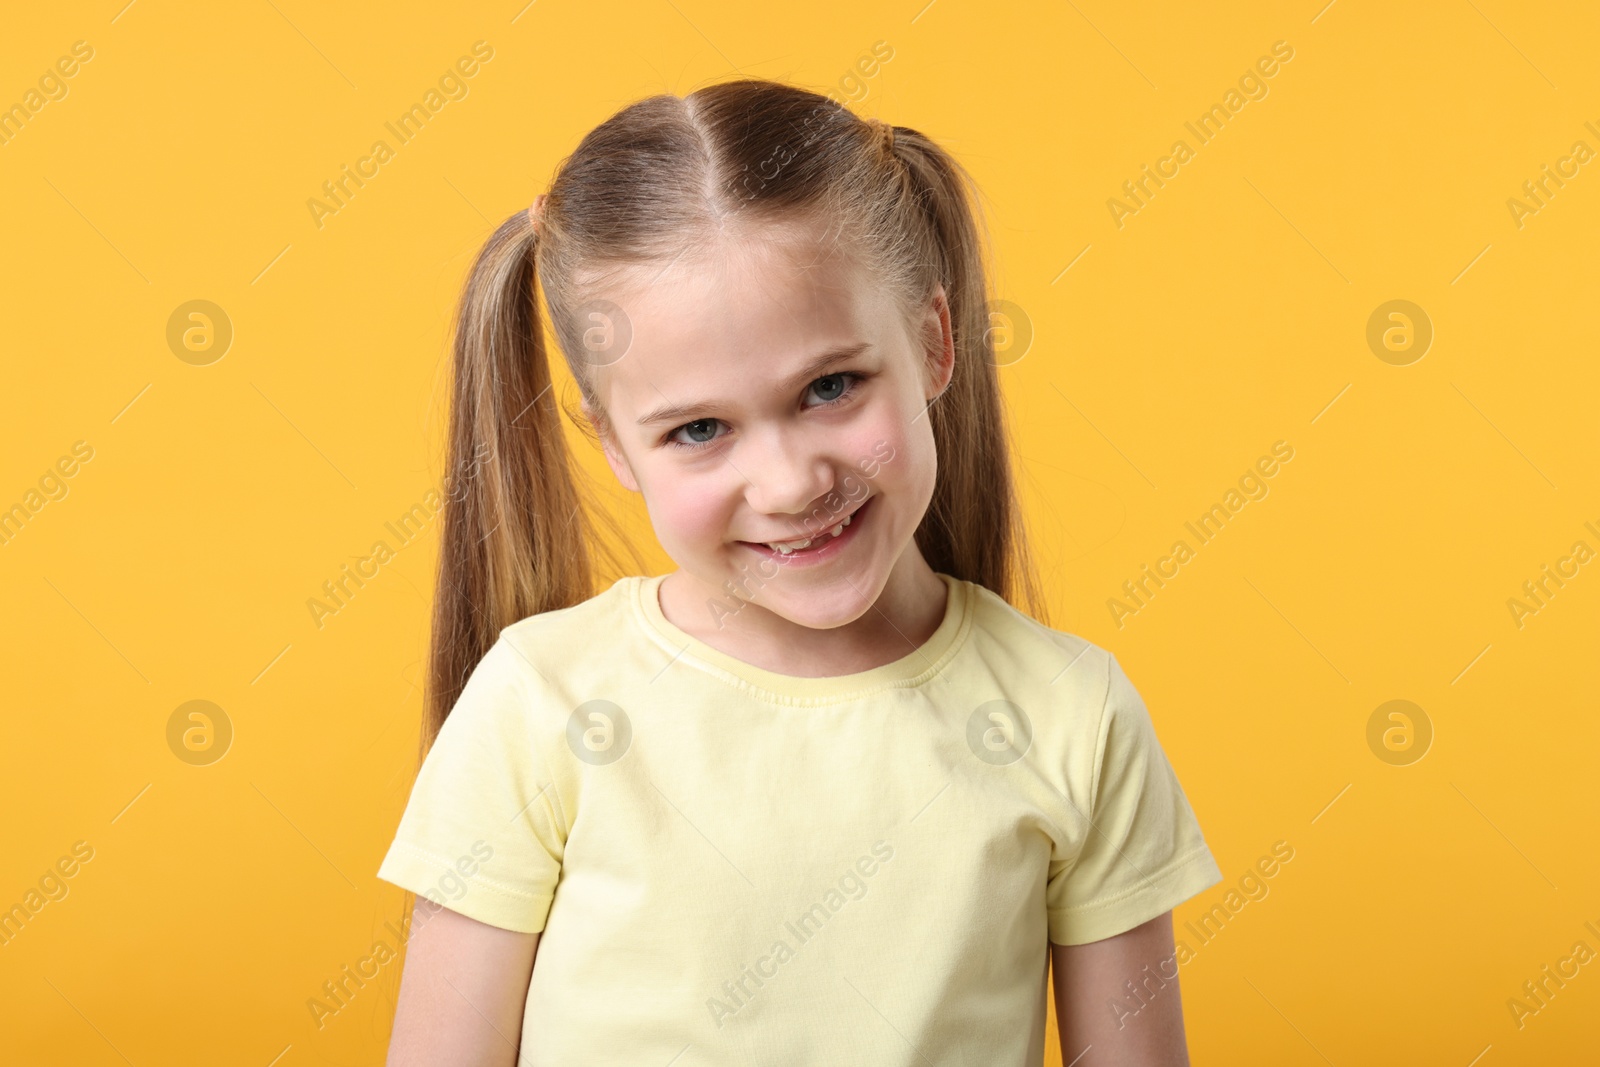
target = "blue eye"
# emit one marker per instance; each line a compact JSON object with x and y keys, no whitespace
{"x":707,"y":425}
{"x":837,"y":394}
{"x":839,"y":378}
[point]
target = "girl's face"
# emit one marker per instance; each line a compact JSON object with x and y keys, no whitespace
{"x":767,"y":394}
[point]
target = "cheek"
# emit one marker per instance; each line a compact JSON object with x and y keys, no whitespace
{"x":892,"y":455}
{"x":687,"y":511}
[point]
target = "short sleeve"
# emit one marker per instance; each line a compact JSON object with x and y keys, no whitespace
{"x":482,"y":833}
{"x":1143,"y":852}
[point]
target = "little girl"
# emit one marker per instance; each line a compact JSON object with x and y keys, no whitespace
{"x":821,"y":795}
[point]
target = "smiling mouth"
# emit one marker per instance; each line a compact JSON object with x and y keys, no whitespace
{"x":785,"y":548}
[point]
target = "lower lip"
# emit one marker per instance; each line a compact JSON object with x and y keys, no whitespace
{"x":817,"y":553}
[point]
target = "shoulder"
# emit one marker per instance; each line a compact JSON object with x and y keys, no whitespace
{"x":1086,"y":721}
{"x":1035,"y":658}
{"x":567,"y":640}
{"x":609,"y":603}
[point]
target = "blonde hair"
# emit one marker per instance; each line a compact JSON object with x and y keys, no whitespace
{"x":649,"y":183}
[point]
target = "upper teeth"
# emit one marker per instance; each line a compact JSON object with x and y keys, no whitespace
{"x":786,"y":547}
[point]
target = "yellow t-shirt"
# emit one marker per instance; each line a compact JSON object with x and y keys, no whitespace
{"x":733,"y":866}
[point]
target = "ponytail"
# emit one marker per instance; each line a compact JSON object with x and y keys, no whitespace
{"x":515,"y":539}
{"x":973,"y":528}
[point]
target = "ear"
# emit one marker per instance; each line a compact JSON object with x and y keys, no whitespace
{"x":614,"y":458}
{"x":941,"y":361}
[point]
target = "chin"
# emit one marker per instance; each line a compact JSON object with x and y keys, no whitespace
{"x":804,"y":610}
{"x":823,"y":607}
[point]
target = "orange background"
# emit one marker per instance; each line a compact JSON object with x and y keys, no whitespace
{"x":1228,"y":313}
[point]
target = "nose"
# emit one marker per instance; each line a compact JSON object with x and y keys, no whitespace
{"x":786,"y":476}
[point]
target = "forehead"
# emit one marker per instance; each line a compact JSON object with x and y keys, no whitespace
{"x":736,"y":319}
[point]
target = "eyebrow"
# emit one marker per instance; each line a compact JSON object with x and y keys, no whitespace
{"x":813,"y":369}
